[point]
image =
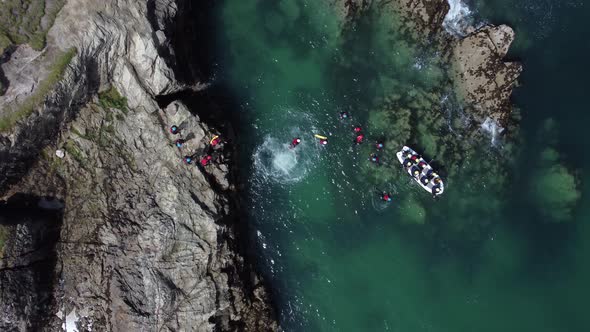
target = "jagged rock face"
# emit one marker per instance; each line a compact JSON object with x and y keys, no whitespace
{"x":482,"y":78}
{"x":146,"y":243}
{"x":116,"y":44}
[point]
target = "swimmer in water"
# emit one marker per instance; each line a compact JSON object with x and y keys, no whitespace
{"x":323,"y":139}
{"x":385,"y":196}
{"x":357,"y":129}
{"x":343,"y":115}
{"x":359,"y":138}
{"x":374,"y":158}
{"x":379,"y":145}
{"x":296,"y":141}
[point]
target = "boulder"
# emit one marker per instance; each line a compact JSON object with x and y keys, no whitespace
{"x":484,"y":81}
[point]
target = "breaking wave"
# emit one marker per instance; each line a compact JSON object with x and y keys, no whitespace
{"x":458,"y":19}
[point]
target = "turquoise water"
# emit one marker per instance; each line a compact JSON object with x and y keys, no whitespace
{"x":486,"y":256}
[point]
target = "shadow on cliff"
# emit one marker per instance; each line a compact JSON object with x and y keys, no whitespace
{"x":29,"y":258}
{"x":196,"y":50}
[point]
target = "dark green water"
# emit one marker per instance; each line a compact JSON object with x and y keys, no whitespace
{"x":482,"y":258}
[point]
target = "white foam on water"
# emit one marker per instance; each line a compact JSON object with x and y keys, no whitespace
{"x":458,"y":19}
{"x":285,"y":161}
{"x":491,"y":127}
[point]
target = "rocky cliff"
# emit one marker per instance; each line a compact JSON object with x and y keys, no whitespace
{"x":114,"y":232}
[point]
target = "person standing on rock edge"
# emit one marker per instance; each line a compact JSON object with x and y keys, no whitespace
{"x":215,"y":141}
{"x":174,"y":130}
{"x":188,"y":160}
{"x":206,"y":160}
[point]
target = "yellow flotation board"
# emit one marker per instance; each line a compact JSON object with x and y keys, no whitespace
{"x":320,"y":136}
{"x":214,"y":138}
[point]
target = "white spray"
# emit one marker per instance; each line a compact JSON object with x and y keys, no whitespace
{"x":458,"y":19}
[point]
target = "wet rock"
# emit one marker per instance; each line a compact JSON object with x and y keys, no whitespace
{"x":482,"y":78}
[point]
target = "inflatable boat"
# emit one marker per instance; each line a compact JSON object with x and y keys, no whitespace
{"x":420,"y":171}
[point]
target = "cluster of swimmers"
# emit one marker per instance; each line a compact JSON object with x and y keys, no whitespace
{"x":417,"y":166}
{"x":211,"y":154}
{"x":359,"y":138}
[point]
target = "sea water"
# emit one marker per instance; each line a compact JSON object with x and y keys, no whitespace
{"x":339,"y":259}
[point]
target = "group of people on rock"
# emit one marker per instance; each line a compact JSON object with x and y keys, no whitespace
{"x":210,"y":154}
{"x":359,"y":139}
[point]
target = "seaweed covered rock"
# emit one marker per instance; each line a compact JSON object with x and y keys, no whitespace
{"x":484,"y":81}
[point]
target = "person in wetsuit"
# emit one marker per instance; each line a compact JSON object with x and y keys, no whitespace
{"x":408,"y":162}
{"x":359,"y":138}
{"x":385,"y":196}
{"x":174,"y":130}
{"x":188,"y":160}
{"x":216,"y":140}
{"x":179,"y":143}
{"x":296,"y":141}
{"x":206,"y":160}
{"x":374,"y":158}
{"x":415,"y":171}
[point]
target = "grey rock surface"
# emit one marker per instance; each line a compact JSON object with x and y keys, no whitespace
{"x":483,"y":79}
{"x":145,"y":242}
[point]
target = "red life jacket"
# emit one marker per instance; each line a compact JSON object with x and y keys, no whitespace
{"x":359,"y":138}
{"x":205,"y":160}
